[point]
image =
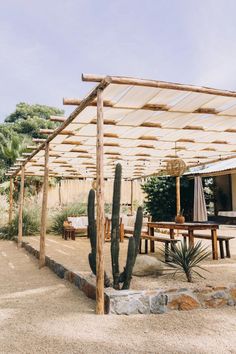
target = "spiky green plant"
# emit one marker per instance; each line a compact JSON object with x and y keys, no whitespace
{"x":186,"y":259}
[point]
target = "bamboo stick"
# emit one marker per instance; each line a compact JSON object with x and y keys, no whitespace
{"x":21,"y":203}
{"x":100,"y":209}
{"x":57,"y":119}
{"x":44,"y":209}
{"x":11,"y":200}
{"x":158,"y":84}
{"x":178,"y":207}
{"x":131,"y":197}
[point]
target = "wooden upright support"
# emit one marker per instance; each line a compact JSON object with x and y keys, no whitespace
{"x":10,"y":200}
{"x":131,"y":197}
{"x":21,"y":203}
{"x":100,"y":209}
{"x":44,"y":208}
{"x":178,"y":207}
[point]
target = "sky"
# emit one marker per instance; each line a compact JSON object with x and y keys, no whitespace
{"x":46,"y":45}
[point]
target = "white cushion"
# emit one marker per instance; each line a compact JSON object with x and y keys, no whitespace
{"x":79,"y":221}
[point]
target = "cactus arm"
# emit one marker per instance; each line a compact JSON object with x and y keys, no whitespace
{"x":129,"y":263}
{"x":132,"y":252}
{"x":92,"y":234}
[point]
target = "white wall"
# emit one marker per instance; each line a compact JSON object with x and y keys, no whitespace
{"x":77,"y":191}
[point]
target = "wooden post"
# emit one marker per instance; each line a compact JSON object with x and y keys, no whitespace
{"x":44,"y":209}
{"x":10,"y":200}
{"x":131,"y":197}
{"x":178,"y":207}
{"x":21,"y":203}
{"x":100,"y":209}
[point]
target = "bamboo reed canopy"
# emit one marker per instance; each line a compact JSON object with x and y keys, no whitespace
{"x":145,"y":123}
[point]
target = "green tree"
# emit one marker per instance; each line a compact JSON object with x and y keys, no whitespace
{"x":26,"y":111}
{"x":160,"y":199}
{"x":29,"y":119}
{"x":11,"y":148}
{"x":20,"y":127}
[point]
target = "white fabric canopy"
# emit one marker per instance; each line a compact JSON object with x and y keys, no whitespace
{"x":199,"y":207}
{"x":146,"y":123}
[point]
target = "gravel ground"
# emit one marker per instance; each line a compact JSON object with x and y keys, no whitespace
{"x":74,"y":255}
{"x":40,"y":313}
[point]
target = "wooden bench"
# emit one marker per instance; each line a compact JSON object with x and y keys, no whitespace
{"x":168,"y":241}
{"x":221,"y":238}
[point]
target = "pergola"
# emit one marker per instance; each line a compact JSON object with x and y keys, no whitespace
{"x":140,"y":123}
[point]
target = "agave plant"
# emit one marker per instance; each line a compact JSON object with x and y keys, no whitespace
{"x":187,"y":259}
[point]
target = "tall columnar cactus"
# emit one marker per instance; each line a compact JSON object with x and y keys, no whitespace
{"x":133,"y":246}
{"x":132,"y":252}
{"x":92,"y":234}
{"x":115,"y":227}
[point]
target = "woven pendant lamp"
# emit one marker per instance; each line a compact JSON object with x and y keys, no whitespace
{"x":176,"y":167}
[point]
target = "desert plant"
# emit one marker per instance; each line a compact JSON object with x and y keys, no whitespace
{"x":92,"y":234}
{"x":115,"y":226}
{"x":132,"y":252}
{"x":126,"y":276}
{"x":186,"y":259}
{"x":70,"y":210}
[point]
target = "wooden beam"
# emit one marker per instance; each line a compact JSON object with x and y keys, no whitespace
{"x":46,"y":131}
{"x":178,"y":206}
{"x":11,"y":200}
{"x":131,"y":197}
{"x":21,"y":203}
{"x":44,"y":209}
{"x":57,"y":119}
{"x":100,"y":209}
{"x":158,"y":84}
{"x":39,"y":140}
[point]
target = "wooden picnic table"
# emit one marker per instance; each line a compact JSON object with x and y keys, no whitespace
{"x":190,"y":227}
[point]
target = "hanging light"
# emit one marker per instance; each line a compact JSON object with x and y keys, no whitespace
{"x":176,"y":166}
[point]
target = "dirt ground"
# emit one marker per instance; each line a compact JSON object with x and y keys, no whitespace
{"x":40,"y":313}
{"x":74,"y":256}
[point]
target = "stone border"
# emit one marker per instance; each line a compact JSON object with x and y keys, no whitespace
{"x":127,"y":302}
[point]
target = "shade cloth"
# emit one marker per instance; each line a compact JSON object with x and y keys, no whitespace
{"x":199,"y":206}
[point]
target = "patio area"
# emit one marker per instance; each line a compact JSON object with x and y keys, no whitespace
{"x":73,"y":255}
{"x":152,"y":128}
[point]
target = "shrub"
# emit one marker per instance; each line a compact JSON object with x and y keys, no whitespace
{"x":160,"y":199}
{"x":31,"y":224}
{"x":62,"y":215}
{"x":186,"y":259}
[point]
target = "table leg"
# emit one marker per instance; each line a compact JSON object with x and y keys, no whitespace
{"x":214,"y":244}
{"x":152,"y":244}
{"x":172,"y":237}
{"x":191,"y":238}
